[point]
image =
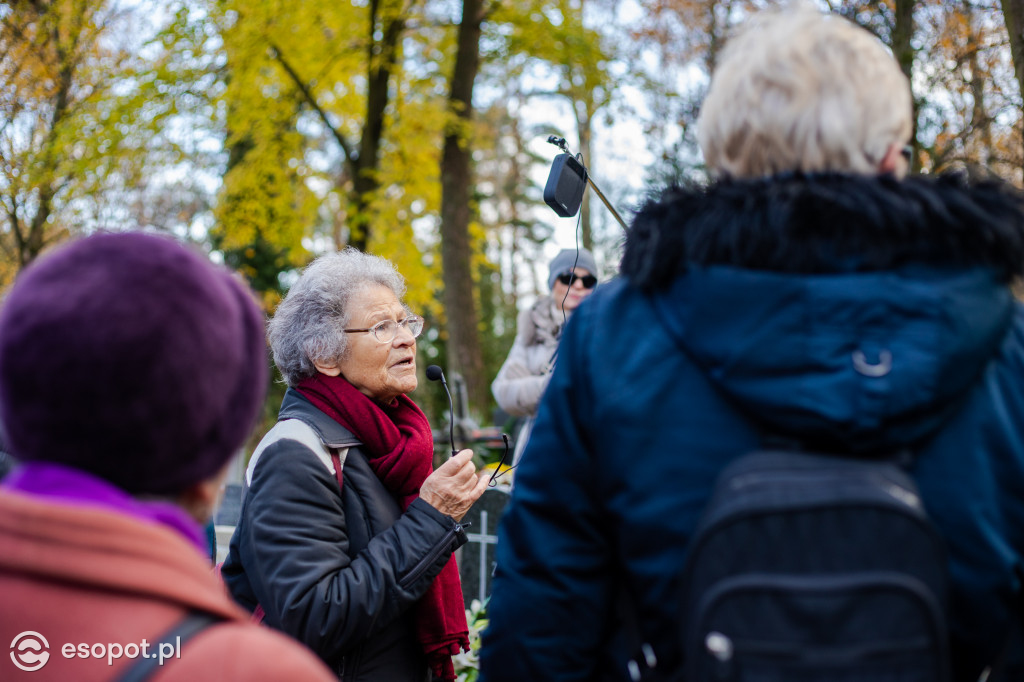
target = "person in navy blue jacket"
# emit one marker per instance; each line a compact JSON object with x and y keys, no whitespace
{"x":811,"y":291}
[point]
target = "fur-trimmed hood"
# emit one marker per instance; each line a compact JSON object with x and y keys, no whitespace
{"x":852,"y":312}
{"x":827,"y":223}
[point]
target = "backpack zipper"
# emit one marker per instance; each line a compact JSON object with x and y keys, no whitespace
{"x":724,"y":648}
{"x":895,"y":490}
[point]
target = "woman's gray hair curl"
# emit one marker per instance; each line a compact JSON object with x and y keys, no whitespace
{"x":307,"y":327}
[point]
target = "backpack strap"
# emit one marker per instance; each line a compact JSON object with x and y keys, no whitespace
{"x":903,"y":458}
{"x":190,"y":626}
{"x":642,"y":656}
{"x":997,"y":670}
{"x":258,"y":614}
{"x":296,"y":429}
{"x":336,"y":460}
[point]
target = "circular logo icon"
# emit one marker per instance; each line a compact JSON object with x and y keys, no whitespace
{"x":29,"y":651}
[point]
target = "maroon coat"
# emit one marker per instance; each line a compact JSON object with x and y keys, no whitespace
{"x":87,"y":576}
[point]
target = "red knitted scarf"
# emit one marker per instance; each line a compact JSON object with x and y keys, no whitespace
{"x":400,"y":449}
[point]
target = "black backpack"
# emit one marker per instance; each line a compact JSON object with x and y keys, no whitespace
{"x":815,"y":568}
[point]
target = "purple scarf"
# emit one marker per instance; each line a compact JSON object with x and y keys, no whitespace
{"x":65,"y":485}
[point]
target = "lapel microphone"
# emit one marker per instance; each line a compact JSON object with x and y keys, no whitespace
{"x":434,"y":373}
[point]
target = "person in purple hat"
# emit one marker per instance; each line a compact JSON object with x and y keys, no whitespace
{"x":131,"y":370}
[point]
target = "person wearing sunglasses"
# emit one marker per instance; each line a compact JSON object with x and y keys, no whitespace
{"x":346,"y":533}
{"x":519,"y":384}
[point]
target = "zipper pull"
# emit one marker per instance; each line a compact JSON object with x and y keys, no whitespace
{"x":719,"y":646}
{"x":721,"y":649}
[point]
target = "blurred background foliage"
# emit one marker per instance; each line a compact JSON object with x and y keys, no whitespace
{"x":267,"y":132}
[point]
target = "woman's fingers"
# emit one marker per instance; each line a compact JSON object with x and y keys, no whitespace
{"x":454,"y":486}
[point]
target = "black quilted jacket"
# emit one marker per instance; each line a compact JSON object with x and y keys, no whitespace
{"x":338,"y":569}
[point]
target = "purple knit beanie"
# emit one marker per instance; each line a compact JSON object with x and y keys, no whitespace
{"x":131,"y":357}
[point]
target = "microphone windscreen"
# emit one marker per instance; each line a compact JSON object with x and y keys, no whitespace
{"x":434,"y":373}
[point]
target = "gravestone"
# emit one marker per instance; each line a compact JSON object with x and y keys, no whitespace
{"x":230,"y":505}
{"x":226,"y":517}
{"x":476,"y":563}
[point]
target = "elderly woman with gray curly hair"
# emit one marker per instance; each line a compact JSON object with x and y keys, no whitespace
{"x":346,"y":534}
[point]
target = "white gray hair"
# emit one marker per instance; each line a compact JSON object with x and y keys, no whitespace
{"x":796,"y":90}
{"x":307,"y":327}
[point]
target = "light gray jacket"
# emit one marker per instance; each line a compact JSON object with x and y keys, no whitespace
{"x":524,"y":375}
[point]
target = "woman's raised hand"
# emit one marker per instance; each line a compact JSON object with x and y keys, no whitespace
{"x":454,"y":486}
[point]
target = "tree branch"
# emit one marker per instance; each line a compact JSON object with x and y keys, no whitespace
{"x":307,"y":94}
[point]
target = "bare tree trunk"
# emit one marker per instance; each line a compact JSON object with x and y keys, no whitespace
{"x":716,"y":31}
{"x":583,"y":125}
{"x":464,"y":353}
{"x":515,"y":175}
{"x":902,"y":33}
{"x":903,"y":50}
{"x":32,"y":241}
{"x":1013,"y":15}
{"x":981,"y":122}
{"x":382,"y":56}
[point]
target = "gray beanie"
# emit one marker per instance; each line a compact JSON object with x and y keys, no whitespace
{"x":564,"y":261}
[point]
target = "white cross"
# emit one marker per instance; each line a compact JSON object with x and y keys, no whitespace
{"x":484,"y":538}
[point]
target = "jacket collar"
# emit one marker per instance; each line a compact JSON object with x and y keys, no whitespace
{"x":331,"y":433}
{"x":827,"y":223}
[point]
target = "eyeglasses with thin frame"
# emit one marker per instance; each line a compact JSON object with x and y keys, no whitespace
{"x":567,"y":278}
{"x":385,"y":330}
{"x":498,"y":472}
